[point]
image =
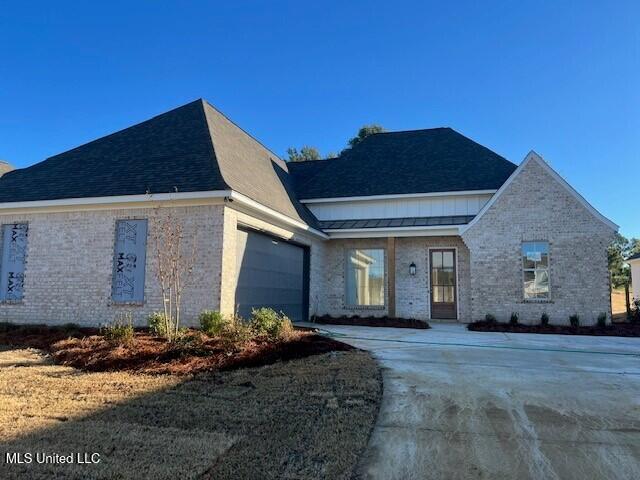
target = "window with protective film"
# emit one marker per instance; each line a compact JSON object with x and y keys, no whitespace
{"x":13,"y":254}
{"x":535,"y":266}
{"x":129,"y":261}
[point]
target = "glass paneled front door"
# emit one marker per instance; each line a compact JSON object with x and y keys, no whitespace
{"x":443,"y":283}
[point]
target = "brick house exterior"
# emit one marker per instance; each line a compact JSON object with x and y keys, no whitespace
{"x":407,"y":224}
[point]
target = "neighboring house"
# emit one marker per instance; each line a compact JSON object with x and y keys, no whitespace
{"x":4,"y":167}
{"x":634,"y":262}
{"x":425,"y":224}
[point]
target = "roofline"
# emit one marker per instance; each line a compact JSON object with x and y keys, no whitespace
{"x":152,"y":200}
{"x":533,"y":156}
{"x":427,"y":231}
{"x":204,"y":100}
{"x":395,"y":196}
{"x":117,"y":201}
{"x":254,"y":206}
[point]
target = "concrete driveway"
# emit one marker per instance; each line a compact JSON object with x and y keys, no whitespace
{"x":460,"y":404}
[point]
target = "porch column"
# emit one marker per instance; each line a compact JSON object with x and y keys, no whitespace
{"x":391,"y":275}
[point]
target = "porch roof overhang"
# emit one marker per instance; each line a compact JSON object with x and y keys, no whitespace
{"x":396,"y":227}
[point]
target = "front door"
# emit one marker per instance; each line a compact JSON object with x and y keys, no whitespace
{"x":443,"y":283}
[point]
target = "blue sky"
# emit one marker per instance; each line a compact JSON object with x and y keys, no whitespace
{"x":562,"y":78}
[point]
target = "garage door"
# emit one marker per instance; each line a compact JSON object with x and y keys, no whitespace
{"x":271,"y":273}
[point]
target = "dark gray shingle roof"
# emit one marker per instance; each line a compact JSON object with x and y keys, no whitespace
{"x":191,"y":148}
{"x":635,"y":256}
{"x":196,"y":148}
{"x":419,"y":161}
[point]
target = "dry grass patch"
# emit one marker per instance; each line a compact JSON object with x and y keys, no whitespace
{"x":303,"y":419}
{"x":619,"y":304}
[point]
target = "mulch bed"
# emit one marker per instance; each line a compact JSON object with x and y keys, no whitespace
{"x":372,"y":321}
{"x":612,"y":330}
{"x":86,"y":349}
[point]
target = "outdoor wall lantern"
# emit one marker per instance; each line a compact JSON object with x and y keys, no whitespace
{"x":412,"y":269}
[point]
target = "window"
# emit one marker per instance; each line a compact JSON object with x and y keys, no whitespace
{"x":13,"y":253}
{"x":535,"y":264}
{"x":365,"y":277}
{"x":129,"y":260}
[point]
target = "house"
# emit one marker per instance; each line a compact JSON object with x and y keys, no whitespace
{"x":4,"y":167}
{"x":425,"y":224}
{"x":634,"y":262}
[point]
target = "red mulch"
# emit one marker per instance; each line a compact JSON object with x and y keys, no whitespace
{"x":372,"y":321}
{"x":612,"y":330}
{"x":85,"y":349}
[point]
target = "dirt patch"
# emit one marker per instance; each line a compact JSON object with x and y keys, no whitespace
{"x":41,"y":336}
{"x":372,"y":321}
{"x":612,"y":330}
{"x":307,"y":418}
{"x":85,"y":349}
{"x":618,"y":304}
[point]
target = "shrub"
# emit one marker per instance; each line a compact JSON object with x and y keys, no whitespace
{"x":490,"y":319}
{"x":235,"y":334}
{"x":574,"y":320}
{"x":6,"y":326}
{"x":190,"y":342}
{"x":544,"y":319}
{"x":158,"y":324}
{"x":514,"y":318}
{"x":602,"y":320}
{"x":69,"y":327}
{"x":212,"y":323}
{"x":120,"y":332}
{"x":635,"y":312}
{"x":265,"y":321}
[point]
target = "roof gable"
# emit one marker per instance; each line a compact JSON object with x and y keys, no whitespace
{"x":534,"y":157}
{"x":419,"y":161}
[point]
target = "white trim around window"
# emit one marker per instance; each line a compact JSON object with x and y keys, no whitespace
{"x":385,"y":289}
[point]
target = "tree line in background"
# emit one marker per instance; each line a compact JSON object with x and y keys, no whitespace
{"x":621,"y":249}
{"x":308,"y":152}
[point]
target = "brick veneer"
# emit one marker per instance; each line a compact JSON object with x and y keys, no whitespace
{"x":70,"y":254}
{"x":412,"y":292}
{"x":69,"y":266}
{"x":535,"y":206}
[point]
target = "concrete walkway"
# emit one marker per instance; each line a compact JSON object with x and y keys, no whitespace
{"x":460,"y":404}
